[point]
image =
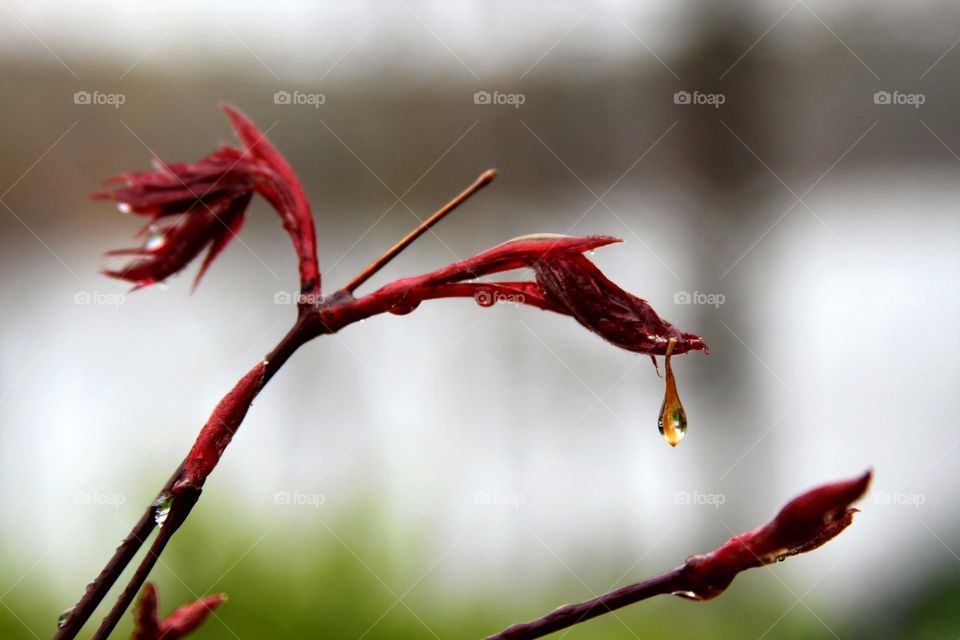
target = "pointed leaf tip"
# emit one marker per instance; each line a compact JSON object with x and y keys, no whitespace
{"x":805,"y":523}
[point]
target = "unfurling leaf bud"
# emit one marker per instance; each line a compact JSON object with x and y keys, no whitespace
{"x":803,"y":524}
{"x":617,"y":316}
{"x":179,"y":624}
{"x":201,"y":205}
{"x":219,"y":429}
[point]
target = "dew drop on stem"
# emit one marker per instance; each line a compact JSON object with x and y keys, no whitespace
{"x":402,"y":308}
{"x":161,"y":508}
{"x":62,"y":620}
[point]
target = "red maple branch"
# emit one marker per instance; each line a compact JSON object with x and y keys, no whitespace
{"x":200,"y":206}
{"x":485,"y":179}
{"x":805,"y":523}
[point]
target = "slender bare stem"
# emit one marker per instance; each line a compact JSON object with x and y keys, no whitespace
{"x":306,"y":328}
{"x":97,"y":589}
{"x":179,"y":510}
{"x":485,"y":178}
{"x":571,"y":614}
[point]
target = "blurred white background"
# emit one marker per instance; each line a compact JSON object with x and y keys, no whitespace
{"x":826,"y":222}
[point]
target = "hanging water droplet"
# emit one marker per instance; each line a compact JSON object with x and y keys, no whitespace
{"x":123,"y":207}
{"x":673,"y":419}
{"x":485,"y":298}
{"x":155,"y":239}
{"x":403,"y":308}
{"x":161,"y":508}
{"x":62,"y":620}
{"x":689,"y":595}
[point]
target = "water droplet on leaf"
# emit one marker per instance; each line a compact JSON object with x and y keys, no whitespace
{"x":155,"y":239}
{"x":485,"y":298}
{"x":673,"y":419}
{"x":161,"y":508}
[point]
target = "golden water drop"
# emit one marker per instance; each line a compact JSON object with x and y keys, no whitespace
{"x":673,"y":419}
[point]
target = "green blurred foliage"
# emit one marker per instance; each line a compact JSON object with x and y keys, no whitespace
{"x":339,"y":577}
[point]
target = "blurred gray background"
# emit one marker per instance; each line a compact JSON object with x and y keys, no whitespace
{"x":500,"y":460}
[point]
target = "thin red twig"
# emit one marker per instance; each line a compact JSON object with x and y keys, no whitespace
{"x":485,"y":178}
